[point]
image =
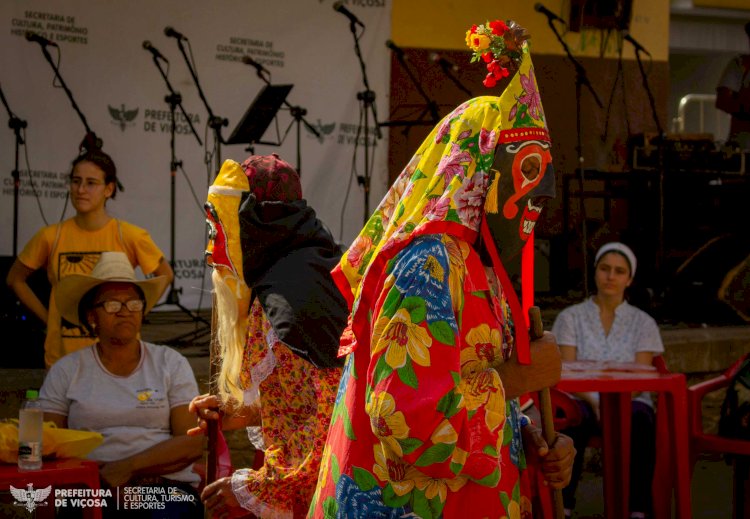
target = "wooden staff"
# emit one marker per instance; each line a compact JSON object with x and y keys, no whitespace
{"x":212,"y":457}
{"x":536,"y":330}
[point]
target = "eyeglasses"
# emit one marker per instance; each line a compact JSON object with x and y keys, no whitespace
{"x":88,"y":183}
{"x":112,"y":307}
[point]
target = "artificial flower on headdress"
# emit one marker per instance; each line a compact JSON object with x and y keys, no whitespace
{"x":500,"y":45}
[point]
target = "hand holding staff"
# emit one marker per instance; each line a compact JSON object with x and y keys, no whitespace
{"x":548,"y":428}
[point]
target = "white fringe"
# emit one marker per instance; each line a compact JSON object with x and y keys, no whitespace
{"x":251,"y":503}
{"x":255,"y":435}
{"x":261,"y":371}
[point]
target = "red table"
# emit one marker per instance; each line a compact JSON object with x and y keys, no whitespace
{"x":55,"y":473}
{"x":672,"y":436}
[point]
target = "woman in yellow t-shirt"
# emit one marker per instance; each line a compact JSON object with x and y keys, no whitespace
{"x":74,"y":246}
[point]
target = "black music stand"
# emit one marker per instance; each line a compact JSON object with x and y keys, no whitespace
{"x":259,"y":115}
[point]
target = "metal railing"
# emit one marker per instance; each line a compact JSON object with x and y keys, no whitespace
{"x":720,"y":118}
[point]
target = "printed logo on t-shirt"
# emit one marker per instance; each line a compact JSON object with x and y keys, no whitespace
{"x":75,"y":263}
{"x":149,"y":398}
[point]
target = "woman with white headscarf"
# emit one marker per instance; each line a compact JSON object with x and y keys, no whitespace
{"x":605,"y":327}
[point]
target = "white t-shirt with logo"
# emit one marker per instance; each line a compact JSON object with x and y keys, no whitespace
{"x":131,"y":412}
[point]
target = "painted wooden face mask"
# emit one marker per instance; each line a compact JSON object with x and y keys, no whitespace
{"x":526,"y":181}
{"x":223,"y":251}
{"x":268,"y":178}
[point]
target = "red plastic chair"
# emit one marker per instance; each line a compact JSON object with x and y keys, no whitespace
{"x":701,"y":441}
{"x":660,"y":365}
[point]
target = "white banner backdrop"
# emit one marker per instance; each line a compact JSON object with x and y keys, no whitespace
{"x":121,"y":93}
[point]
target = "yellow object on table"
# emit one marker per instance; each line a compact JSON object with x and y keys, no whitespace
{"x":56,"y":441}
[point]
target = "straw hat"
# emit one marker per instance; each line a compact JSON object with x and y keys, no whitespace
{"x":112,"y":267}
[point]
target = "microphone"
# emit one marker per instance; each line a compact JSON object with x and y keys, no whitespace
{"x":549,"y":14}
{"x":41,"y":40}
{"x":171,"y":33}
{"x":339,"y":6}
{"x":443,"y":62}
{"x":153,"y":50}
{"x":634,"y":43}
{"x":395,"y":48}
{"x":247,"y":60}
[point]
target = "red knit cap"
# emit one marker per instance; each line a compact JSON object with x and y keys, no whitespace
{"x":272,"y":179}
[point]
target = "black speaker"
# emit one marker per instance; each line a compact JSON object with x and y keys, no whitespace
{"x":23,"y":333}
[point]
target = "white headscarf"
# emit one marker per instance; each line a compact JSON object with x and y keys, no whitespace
{"x":622,"y":249}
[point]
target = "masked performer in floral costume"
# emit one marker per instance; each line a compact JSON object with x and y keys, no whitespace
{"x":279,"y":321}
{"x":421,"y":427}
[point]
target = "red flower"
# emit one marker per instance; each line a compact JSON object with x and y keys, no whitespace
{"x":473,"y":29}
{"x":489,"y":81}
{"x":487,"y":57}
{"x":498,"y":27}
{"x":497,"y":70}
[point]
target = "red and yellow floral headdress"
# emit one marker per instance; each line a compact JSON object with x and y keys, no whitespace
{"x":500,"y":45}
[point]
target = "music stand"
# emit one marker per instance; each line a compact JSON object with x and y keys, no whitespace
{"x":259,"y":115}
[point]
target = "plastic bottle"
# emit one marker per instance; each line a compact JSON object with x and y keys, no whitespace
{"x":30,"y":423}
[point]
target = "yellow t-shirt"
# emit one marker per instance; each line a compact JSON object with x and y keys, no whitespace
{"x":65,"y":249}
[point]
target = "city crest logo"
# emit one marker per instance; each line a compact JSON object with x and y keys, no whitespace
{"x":30,"y":498}
{"x":323,"y":129}
{"x":122,"y":116}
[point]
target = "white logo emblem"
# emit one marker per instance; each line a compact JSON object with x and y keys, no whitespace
{"x":30,"y":498}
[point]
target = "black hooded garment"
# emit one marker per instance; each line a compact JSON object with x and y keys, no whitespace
{"x":287,"y":258}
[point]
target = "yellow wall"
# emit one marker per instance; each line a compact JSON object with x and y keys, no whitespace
{"x":442,"y":24}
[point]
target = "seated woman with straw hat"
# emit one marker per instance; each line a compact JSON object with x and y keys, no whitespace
{"x":134,"y":393}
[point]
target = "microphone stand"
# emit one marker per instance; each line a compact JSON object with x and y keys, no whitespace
{"x":215,"y":122}
{"x":367,"y":99}
{"x":659,"y":154}
{"x":619,"y":80}
{"x":298,"y":113}
{"x":90,"y":140}
{"x":581,"y":80}
{"x":174,"y":99}
{"x":16,"y":125}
